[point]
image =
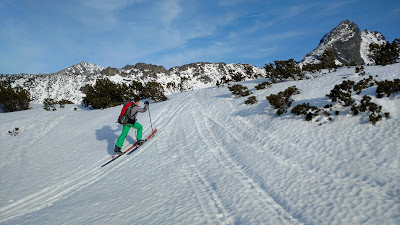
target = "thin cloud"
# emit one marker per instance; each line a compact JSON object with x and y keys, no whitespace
{"x":171,"y":10}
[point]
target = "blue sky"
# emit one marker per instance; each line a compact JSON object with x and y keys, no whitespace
{"x":45,"y":36}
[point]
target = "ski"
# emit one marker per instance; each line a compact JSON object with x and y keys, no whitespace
{"x":130,"y":149}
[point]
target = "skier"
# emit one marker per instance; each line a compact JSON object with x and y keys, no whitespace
{"x":132,"y":123}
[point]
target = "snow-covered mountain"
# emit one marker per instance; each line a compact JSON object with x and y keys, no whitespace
{"x":69,"y":83}
{"x":214,"y":160}
{"x":348,"y":43}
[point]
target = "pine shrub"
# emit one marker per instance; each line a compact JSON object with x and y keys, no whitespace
{"x":14,"y":99}
{"x":283,"y":100}
{"x":387,"y":53}
{"x":154,"y":91}
{"x":251,"y":100}
{"x":342,"y":93}
{"x":49,"y":104}
{"x":363,"y":84}
{"x":64,"y":102}
{"x":283,"y":70}
{"x":263,"y":85}
{"x":387,"y":88}
{"x":239,"y":90}
{"x":305,"y":109}
{"x":327,"y":62}
{"x":366,"y":105}
{"x":106,"y":93}
{"x":236,"y":77}
{"x":360,"y":70}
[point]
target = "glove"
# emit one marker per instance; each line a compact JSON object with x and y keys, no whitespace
{"x":146,"y":103}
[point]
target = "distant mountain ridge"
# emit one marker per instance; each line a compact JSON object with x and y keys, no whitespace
{"x":348,"y":43}
{"x":70,"y":83}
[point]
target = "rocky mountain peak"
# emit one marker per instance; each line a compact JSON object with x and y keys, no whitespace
{"x":348,"y":43}
{"x":82,"y":68}
{"x":344,"y":32}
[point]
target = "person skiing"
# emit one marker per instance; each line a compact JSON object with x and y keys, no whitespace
{"x":132,"y":123}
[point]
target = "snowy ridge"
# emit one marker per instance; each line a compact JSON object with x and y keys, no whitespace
{"x":69,"y":83}
{"x":368,"y":37}
{"x":83,"y":68}
{"x":214,"y":160}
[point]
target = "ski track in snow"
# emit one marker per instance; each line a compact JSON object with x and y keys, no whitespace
{"x":257,"y":195}
{"x":208,"y":199}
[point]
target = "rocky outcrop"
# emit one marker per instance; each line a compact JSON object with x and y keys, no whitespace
{"x":348,"y":43}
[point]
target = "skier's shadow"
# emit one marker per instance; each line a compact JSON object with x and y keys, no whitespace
{"x":111,"y":136}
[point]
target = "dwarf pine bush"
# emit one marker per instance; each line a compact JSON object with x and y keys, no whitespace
{"x":387,"y":88}
{"x":283,"y":70}
{"x":283,"y":100}
{"x":49,"y":104}
{"x":239,"y":90}
{"x":14,"y":99}
{"x":342,"y":93}
{"x":360,"y":70}
{"x":263,"y":85}
{"x":366,"y":105}
{"x":251,"y":100}
{"x":363,"y":84}
{"x":305,"y":109}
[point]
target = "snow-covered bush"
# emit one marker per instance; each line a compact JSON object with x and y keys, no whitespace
{"x":363,"y":84}
{"x":283,"y":70}
{"x":154,"y":91}
{"x":106,"y":93}
{"x":14,"y":99}
{"x":360,"y":70}
{"x":387,"y":88}
{"x":239,"y":90}
{"x":387,"y":53}
{"x":49,"y":104}
{"x":309,"y":111}
{"x":283,"y":100}
{"x":236,"y":77}
{"x":64,"y":102}
{"x":251,"y":100}
{"x":263,"y":85}
{"x":366,"y":105}
{"x":342,"y":93}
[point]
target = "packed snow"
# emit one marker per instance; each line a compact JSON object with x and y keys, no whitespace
{"x":214,"y":160}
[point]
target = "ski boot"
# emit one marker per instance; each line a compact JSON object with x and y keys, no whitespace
{"x":118,"y":150}
{"x":140,"y":142}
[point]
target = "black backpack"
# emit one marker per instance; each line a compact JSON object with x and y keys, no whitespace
{"x":123,"y":116}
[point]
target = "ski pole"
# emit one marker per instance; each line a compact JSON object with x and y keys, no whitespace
{"x":151,"y":123}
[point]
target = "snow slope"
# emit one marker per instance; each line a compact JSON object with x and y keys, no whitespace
{"x":214,"y":160}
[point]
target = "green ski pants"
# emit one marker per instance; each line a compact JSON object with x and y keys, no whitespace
{"x":125,"y":130}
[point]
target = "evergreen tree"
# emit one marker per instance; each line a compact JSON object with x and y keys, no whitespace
{"x":14,"y":99}
{"x":328,"y":60}
{"x":106,"y":93}
{"x":154,"y":91}
{"x":283,"y":70}
{"x":387,"y":53}
{"x":49,"y":104}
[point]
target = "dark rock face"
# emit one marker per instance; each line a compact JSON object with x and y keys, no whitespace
{"x":146,"y":67}
{"x":345,"y":42}
{"x":348,"y":43}
{"x":110,"y":71}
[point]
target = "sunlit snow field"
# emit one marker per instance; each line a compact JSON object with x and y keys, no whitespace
{"x":214,"y":160}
